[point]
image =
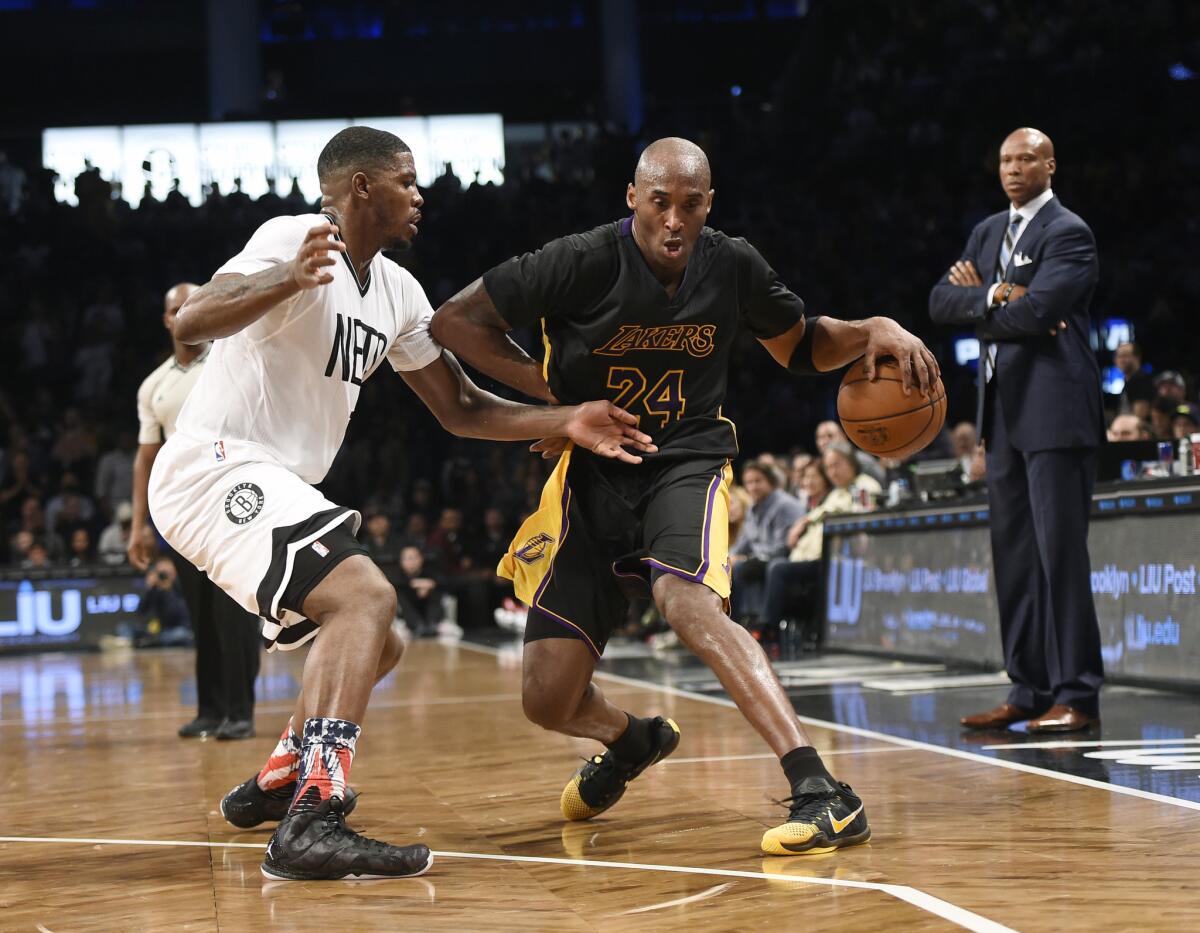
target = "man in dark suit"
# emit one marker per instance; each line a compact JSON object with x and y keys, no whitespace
{"x":1025,"y":281}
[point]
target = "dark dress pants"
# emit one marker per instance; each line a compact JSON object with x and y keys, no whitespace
{"x":227,"y":647}
{"x":1039,"y":505}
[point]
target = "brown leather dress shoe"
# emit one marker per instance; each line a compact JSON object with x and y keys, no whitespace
{"x":1061,"y":718}
{"x":1001,"y":717}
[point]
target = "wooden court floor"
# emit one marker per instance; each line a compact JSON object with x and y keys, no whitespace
{"x":110,"y":822}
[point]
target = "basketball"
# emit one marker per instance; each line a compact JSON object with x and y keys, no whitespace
{"x":880,"y":419}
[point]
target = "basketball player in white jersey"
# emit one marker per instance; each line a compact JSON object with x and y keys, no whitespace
{"x":305,"y":313}
{"x":227,"y":643}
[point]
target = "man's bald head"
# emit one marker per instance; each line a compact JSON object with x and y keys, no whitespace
{"x":173,"y":300}
{"x":1027,"y":164}
{"x":177,"y":294}
{"x":1033,"y":138}
{"x":670,"y":197}
{"x":673,"y":158}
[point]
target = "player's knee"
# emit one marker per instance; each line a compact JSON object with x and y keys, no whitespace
{"x":376,"y":599}
{"x":393,"y":651}
{"x":545,"y":708}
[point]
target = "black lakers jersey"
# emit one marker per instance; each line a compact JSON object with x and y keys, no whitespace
{"x":612,"y":332}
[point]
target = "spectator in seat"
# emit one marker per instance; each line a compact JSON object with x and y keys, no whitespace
{"x":114,"y":474}
{"x":1128,"y":428}
{"x":38,"y":557}
{"x":70,"y":508}
{"x":788,"y":580}
{"x":1162,"y":413}
{"x":830,"y":432}
{"x":33,"y":521}
{"x":1171,"y":385}
{"x":19,"y":485}
{"x":1186,"y":421}
{"x":381,"y":544}
{"x":842,"y":468}
{"x":418,"y":596}
{"x":796,"y":474}
{"x":80,"y":553}
{"x":966,"y":445}
{"x":1139,"y":387}
{"x":114,"y":540}
{"x":763,"y":537}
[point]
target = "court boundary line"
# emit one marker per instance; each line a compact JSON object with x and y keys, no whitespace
{"x":869,"y":750}
{"x":896,"y":740}
{"x":920,"y":899}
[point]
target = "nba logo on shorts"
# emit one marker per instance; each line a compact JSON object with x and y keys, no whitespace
{"x":321,"y":549}
{"x":219,"y":450}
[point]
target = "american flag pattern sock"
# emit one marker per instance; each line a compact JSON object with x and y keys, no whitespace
{"x":325,"y":756}
{"x":280,"y":769}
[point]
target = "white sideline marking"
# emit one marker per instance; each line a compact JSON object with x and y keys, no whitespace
{"x":927,"y":902}
{"x":1096,"y":744}
{"x":839,"y":751}
{"x":896,"y":740}
{"x":679,"y":901}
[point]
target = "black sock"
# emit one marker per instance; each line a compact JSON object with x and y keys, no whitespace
{"x":635,"y":742}
{"x":804,"y":762}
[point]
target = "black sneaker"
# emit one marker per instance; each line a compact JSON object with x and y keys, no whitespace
{"x":316,"y":845}
{"x":232,"y":729}
{"x":199,"y":727}
{"x":823,"y":816}
{"x":247,"y":805}
{"x":601,"y":781}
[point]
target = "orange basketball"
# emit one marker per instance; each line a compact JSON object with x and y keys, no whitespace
{"x":879,"y":418}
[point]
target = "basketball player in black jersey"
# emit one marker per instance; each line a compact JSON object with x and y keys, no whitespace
{"x":645,"y":311}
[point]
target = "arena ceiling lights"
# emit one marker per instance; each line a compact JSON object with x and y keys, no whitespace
{"x":199,"y":154}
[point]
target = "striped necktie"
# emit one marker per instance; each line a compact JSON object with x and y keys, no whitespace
{"x":1006,"y":251}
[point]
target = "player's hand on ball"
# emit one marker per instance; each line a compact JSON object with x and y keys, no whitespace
{"x":607,"y":430}
{"x":308,"y":268}
{"x":918,"y":367}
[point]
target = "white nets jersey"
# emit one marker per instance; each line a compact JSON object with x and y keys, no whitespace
{"x":288,"y":383}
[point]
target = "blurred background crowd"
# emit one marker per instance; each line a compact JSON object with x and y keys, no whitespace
{"x":853,"y":144}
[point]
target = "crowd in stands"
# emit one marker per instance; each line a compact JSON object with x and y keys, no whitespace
{"x":857,"y":181}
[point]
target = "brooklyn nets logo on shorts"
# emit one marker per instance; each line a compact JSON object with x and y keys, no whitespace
{"x":245,"y":500}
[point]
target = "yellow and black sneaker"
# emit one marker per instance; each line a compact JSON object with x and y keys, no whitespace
{"x":601,"y":781}
{"x":823,"y":816}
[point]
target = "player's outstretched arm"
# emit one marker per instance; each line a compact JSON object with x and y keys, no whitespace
{"x":822,"y":344}
{"x":230,"y":303}
{"x":469,"y":326}
{"x":466,"y":410}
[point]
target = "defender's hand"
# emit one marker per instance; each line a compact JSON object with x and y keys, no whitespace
{"x":964,"y":274}
{"x":549,"y":447}
{"x":603,"y":428}
{"x":313,"y":257}
{"x":143,"y":548}
{"x":917,"y":365}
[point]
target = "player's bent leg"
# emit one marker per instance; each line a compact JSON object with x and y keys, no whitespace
{"x":558,"y":694}
{"x":354,"y":606}
{"x":824,"y":814}
{"x":265,"y":796}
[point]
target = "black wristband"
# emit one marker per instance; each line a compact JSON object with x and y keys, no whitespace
{"x":802,"y":356}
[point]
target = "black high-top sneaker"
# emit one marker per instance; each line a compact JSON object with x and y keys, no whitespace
{"x":316,"y":845}
{"x":247,"y":805}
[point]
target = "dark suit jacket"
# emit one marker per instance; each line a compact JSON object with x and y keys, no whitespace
{"x":1049,"y":386}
